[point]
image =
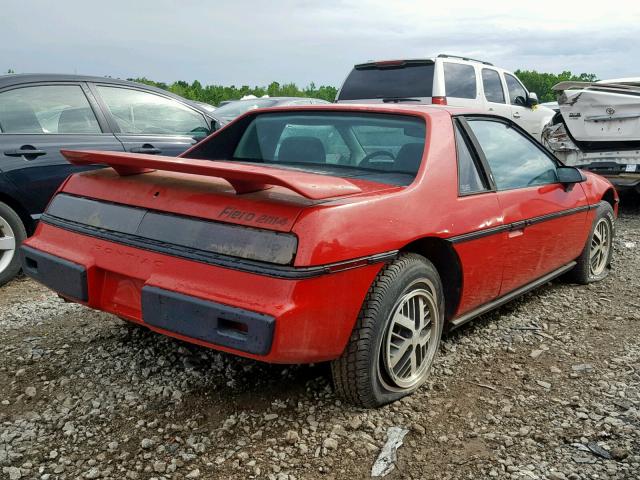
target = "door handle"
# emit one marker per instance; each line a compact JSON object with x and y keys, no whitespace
{"x":26,"y":151}
{"x":149,"y":149}
{"x":516,"y":114}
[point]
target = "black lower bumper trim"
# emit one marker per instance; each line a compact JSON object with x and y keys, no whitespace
{"x":67,"y":278}
{"x":211,"y":322}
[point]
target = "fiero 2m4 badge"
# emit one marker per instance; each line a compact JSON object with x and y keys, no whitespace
{"x":246,"y":216}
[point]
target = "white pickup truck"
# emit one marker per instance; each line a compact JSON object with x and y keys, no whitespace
{"x":598,"y":129}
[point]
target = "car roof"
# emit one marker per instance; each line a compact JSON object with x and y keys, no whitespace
{"x":18,"y":78}
{"x":27,"y":78}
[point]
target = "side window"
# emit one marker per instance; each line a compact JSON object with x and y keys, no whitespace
{"x":141,"y":112}
{"x":515,"y":90}
{"x":515,"y":161}
{"x":460,"y":80}
{"x":335,"y":149}
{"x":47,"y":109}
{"x":469,"y":179}
{"x":492,"y":85}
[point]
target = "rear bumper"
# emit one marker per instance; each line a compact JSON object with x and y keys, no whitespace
{"x":623,"y":182}
{"x":621,"y":168}
{"x":271,"y":319}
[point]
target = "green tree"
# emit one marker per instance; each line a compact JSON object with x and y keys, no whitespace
{"x":542,"y":83}
{"x":214,"y":94}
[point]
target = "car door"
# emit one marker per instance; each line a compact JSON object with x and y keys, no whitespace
{"x":495,"y":100}
{"x":521,"y":113}
{"x":147,"y":122}
{"x":481,"y":250}
{"x":36,"y":122}
{"x":546,"y":220}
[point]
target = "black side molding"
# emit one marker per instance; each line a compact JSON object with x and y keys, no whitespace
{"x":462,"y":319}
{"x":67,"y":278}
{"x":211,"y":322}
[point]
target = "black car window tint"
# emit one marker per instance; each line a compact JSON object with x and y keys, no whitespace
{"x":492,"y":85}
{"x":516,"y":90}
{"x":460,"y":80}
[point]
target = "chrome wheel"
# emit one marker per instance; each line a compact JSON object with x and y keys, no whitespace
{"x":600,"y":247}
{"x":411,"y":338}
{"x":7,"y":244}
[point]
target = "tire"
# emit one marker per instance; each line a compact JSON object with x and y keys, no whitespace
{"x":11,"y":227}
{"x":371,"y":372}
{"x":584,"y":271}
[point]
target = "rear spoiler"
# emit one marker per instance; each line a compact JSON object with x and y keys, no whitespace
{"x":242,"y":177}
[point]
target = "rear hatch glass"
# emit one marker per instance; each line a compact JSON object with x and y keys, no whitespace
{"x":380,"y":148}
{"x":402,"y":80}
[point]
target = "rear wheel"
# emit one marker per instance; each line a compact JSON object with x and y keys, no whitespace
{"x":396,"y":337}
{"x":594,"y":263}
{"x":12,"y":233}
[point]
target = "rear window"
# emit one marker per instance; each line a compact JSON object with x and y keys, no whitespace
{"x":408,"y":80}
{"x":460,"y":80}
{"x":378,"y":147}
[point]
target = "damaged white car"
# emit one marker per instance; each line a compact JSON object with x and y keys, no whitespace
{"x":598,"y":129}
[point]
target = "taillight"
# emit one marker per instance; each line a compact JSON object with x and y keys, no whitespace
{"x":439,"y":100}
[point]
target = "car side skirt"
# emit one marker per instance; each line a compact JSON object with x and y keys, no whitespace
{"x":498,"y":302}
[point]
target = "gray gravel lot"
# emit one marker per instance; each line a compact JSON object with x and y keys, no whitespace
{"x":547,"y":387}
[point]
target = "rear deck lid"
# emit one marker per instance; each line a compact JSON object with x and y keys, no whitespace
{"x":601,"y":112}
{"x":228,"y":192}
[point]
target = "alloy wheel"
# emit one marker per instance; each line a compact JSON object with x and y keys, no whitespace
{"x":600,"y":247}
{"x":7,"y":244}
{"x":411,"y":338}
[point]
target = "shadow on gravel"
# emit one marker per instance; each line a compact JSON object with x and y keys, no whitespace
{"x":630,"y":203}
{"x":236,"y":383}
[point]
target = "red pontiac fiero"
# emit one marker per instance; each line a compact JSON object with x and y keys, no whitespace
{"x":354,"y":234}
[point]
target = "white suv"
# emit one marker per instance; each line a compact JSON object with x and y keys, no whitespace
{"x":447,"y":80}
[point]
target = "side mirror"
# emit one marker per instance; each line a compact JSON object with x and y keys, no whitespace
{"x":533,"y":99}
{"x":569,"y":175}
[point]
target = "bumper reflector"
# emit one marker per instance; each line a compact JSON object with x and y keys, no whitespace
{"x":67,"y":278}
{"x":208,"y":321}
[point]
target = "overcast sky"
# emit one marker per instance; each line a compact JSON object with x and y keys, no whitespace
{"x":245,"y":42}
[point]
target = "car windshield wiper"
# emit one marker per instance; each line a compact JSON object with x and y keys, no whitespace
{"x":399,"y":99}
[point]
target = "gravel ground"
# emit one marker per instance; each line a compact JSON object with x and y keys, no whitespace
{"x":547,"y":387}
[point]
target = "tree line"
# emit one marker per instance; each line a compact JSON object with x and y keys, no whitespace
{"x":214,"y":94}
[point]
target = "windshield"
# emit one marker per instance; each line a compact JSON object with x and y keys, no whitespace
{"x":379,"y":147}
{"x":407,"y":80}
{"x":235,"y":109}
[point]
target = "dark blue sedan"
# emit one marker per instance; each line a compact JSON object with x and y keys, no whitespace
{"x":42,"y":114}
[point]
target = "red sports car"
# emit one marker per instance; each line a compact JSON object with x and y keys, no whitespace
{"x":354,"y":234}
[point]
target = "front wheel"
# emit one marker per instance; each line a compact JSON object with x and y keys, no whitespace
{"x":594,"y":263}
{"x":396,"y":336}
